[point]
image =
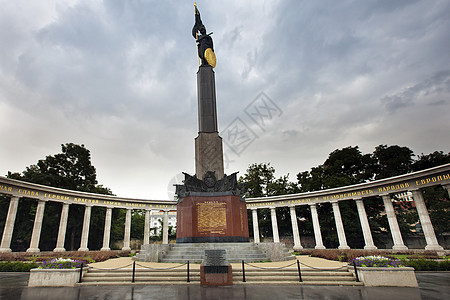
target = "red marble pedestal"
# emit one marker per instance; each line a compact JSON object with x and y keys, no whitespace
{"x":208,"y":278}
{"x":212,"y":218}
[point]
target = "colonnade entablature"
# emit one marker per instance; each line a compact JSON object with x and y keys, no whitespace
{"x":21,"y":189}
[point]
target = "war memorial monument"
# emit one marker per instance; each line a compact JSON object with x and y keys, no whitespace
{"x":210,"y":204}
{"x":212,"y":224}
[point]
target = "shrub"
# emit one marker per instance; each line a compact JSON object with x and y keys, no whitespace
{"x":17,"y":266}
{"x":428,"y":265}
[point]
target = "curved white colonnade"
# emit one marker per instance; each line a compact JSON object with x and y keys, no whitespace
{"x":412,"y":182}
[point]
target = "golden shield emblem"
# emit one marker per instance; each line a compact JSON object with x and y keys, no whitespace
{"x":210,"y":57}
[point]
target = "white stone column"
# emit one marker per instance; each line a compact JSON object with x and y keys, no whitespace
{"x":165,"y":229}
{"x":127,"y":234}
{"x":147,"y":227}
{"x":365,"y":225}
{"x":9,"y":225}
{"x":273,"y":215}
{"x":447,"y":187}
{"x":62,"y":228}
{"x":85,"y":232}
{"x":393,"y":225}
{"x":36,"y":235}
{"x":316,"y":226}
{"x":339,"y":226}
{"x":295,"y":233}
{"x":107,"y":230}
{"x":255,"y":226}
{"x":425,"y":221}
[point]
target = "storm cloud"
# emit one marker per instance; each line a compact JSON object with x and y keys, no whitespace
{"x":120,"y":78}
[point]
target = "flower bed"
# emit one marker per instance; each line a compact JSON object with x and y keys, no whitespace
{"x":56,"y":272}
{"x":383,"y":271}
{"x":62,"y":263}
{"x":377,"y":261}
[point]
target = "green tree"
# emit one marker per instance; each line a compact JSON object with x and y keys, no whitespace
{"x":71,"y":169}
{"x":260,"y":181}
{"x":434,"y":159}
{"x":392,"y":161}
{"x":347,"y":166}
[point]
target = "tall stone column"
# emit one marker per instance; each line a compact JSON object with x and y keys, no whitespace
{"x":316,"y":226}
{"x":9,"y":225}
{"x":127,"y":234}
{"x":208,"y":143}
{"x":295,"y":233}
{"x":365,"y":225}
{"x":273,"y":215}
{"x":447,"y":187}
{"x":393,"y":225}
{"x":36,"y":234}
{"x":425,"y":221}
{"x":147,"y":227}
{"x":255,"y":225}
{"x":339,"y":226}
{"x":85,"y":232}
{"x":107,"y":230}
{"x":62,"y":229}
{"x":165,"y":229}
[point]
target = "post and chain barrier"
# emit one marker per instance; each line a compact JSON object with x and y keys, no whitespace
{"x":298,"y":268}
{"x":243,"y":269}
{"x":134,"y":264}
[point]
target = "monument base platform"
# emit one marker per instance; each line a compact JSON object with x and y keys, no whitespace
{"x":212,"y":218}
{"x":219,"y":276}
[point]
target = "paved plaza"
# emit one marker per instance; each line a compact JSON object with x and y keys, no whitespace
{"x":432,"y":285}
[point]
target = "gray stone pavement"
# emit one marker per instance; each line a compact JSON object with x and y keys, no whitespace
{"x":432,"y":285}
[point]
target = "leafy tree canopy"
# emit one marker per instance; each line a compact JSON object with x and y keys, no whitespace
{"x":392,"y":161}
{"x":71,"y":169}
{"x":349,"y":166}
{"x":260,"y":182}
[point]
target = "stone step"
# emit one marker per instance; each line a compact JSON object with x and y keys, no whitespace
{"x":194,"y":252}
{"x":291,"y":273}
{"x":198,"y":261}
{"x":324,"y":283}
{"x":93,"y":283}
{"x":288,"y":276}
{"x":123,"y":274}
{"x":292,"y":277}
{"x":229,"y":252}
{"x":210,"y":245}
{"x":244,"y":256}
{"x":144,"y":278}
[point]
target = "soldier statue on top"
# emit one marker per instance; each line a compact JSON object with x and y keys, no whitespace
{"x":204,"y":41}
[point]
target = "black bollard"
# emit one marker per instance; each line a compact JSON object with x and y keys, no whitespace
{"x":356,"y":271}
{"x":299,"y":273}
{"x":243,"y":272}
{"x":81,"y":273}
{"x":188,"y":279}
{"x":134,"y":270}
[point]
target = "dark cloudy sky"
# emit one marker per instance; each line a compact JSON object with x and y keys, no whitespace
{"x":297,"y":79}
